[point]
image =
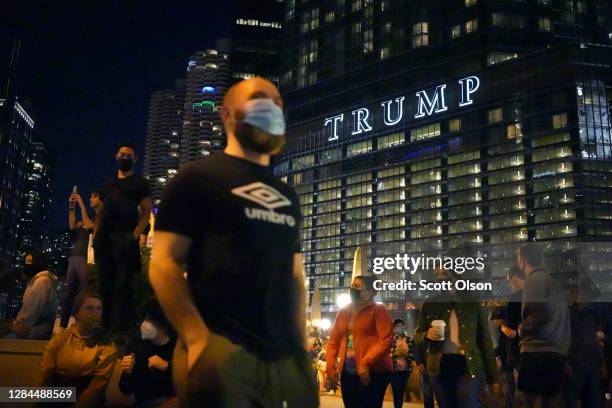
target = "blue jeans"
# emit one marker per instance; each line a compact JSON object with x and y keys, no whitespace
{"x":454,"y":387}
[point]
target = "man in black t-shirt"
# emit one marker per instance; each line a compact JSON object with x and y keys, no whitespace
{"x":240,"y":314}
{"x":124,"y":217}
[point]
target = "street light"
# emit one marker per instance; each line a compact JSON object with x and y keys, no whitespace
{"x":325,"y":324}
{"x":343,"y":300}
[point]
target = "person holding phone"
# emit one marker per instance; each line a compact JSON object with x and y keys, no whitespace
{"x":80,"y":230}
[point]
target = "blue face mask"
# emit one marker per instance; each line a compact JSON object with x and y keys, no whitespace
{"x":265,"y":115}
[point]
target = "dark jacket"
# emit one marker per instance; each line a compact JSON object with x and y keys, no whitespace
{"x":545,"y":323}
{"x":508,"y":349}
{"x":473,"y":333}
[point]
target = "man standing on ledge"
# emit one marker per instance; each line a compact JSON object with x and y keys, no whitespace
{"x":240,"y":314}
{"x":124,"y":216}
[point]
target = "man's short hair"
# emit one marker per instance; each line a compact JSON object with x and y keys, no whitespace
{"x":532,"y":254}
{"x":398,"y":321}
{"x":129,"y":145}
{"x":516,"y":272}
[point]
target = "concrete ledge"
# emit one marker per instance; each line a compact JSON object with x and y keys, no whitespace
{"x":20,"y":361}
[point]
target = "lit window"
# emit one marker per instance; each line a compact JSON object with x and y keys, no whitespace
{"x":495,"y":115}
{"x":395,"y":139}
{"x":456,"y":31}
{"x":329,"y":17}
{"x":454,"y":125}
{"x":368,"y":41}
{"x":559,"y":121}
{"x":471,"y":25}
{"x":358,"y":148}
{"x":420,"y":34}
{"x":544,"y":24}
{"x":425,"y":132}
{"x":469,"y":3}
{"x":500,"y":56}
{"x":514,"y":131}
{"x":384,"y":53}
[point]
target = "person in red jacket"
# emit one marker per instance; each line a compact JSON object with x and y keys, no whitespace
{"x":362,"y":337}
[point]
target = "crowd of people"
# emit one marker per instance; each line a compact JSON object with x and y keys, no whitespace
{"x":549,"y":350}
{"x":224,"y":326}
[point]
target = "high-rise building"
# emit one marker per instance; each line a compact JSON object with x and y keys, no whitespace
{"x":58,"y":245}
{"x":15,"y":137}
{"x":164,"y":130}
{"x":252,"y":50}
{"x":33,"y":224}
{"x":208,"y":77}
{"x":16,"y":127}
{"x":256,"y":38}
{"x":425,"y":124}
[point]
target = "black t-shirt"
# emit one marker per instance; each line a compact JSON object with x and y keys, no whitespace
{"x":122,"y":196}
{"x":244,"y":226}
{"x":148,"y":383}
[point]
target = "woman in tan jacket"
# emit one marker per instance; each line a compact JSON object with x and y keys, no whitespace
{"x":81,"y":356}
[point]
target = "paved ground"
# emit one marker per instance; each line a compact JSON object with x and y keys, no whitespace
{"x":336,"y":402}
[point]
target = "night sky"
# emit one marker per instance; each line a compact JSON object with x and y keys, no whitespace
{"x":88,"y":70}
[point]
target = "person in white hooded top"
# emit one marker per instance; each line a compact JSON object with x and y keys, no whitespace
{"x":39,"y":305}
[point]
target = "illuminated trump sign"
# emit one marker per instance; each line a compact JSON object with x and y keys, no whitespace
{"x":427,"y":104}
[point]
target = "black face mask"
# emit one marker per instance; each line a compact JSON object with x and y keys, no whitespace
{"x":355,"y":295}
{"x":125,"y":164}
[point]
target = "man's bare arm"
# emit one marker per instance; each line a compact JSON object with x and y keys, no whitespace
{"x":298,"y":275}
{"x":167,"y":278}
{"x":146,"y":205}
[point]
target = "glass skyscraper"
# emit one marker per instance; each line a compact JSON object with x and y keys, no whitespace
{"x":418,"y":125}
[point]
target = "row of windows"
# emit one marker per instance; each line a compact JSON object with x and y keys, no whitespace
{"x":552,"y":224}
{"x":512,"y":131}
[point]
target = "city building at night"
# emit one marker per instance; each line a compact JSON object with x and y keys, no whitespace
{"x":164,"y":130}
{"x":437,"y":124}
{"x":256,"y":38}
{"x":33,"y":224}
{"x":16,"y":127}
{"x":58,"y":245}
{"x":208,"y":77}
{"x":252,"y":50}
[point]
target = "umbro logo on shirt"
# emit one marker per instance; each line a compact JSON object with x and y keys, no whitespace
{"x":263,"y":195}
{"x":267,"y":197}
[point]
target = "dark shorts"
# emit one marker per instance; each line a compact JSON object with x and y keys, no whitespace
{"x":228,"y":376}
{"x":541,"y":373}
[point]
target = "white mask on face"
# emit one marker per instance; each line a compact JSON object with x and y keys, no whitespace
{"x":148,"y":331}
